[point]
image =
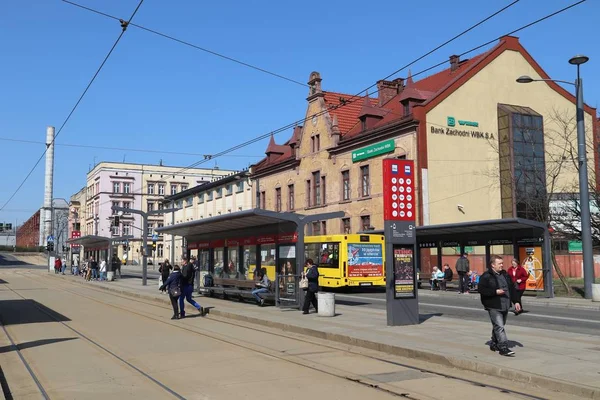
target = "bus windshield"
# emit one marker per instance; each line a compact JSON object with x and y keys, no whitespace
{"x":325,"y":255}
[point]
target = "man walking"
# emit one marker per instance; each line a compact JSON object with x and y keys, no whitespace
{"x":495,"y":290}
{"x":187,"y":287}
{"x":462,"y":268}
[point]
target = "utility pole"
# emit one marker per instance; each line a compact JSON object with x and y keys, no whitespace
{"x":173,"y":238}
{"x":144,"y":216}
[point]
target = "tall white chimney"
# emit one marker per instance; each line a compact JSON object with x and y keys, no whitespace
{"x":48,"y":186}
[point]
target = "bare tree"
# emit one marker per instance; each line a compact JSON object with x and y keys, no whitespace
{"x":537,"y":180}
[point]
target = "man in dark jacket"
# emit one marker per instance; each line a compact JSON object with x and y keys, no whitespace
{"x":495,"y":289}
{"x":187,"y":287}
{"x":462,"y":269}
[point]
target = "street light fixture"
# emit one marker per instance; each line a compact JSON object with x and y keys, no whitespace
{"x":584,"y":194}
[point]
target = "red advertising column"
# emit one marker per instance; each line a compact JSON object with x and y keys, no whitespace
{"x":399,"y":213}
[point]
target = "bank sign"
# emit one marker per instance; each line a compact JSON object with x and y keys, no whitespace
{"x":461,"y":128}
{"x":373,"y":150}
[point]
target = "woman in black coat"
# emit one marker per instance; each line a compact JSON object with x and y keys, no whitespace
{"x":312,"y":274}
{"x":165,"y":270}
{"x":173,"y":286}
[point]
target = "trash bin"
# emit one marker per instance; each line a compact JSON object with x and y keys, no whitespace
{"x":110,"y":275}
{"x":595,"y":291}
{"x":326,"y":304}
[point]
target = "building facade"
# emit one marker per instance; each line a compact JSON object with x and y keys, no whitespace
{"x":228,"y":194}
{"x":28,"y":234}
{"x":484,"y":147}
{"x":135,"y":186}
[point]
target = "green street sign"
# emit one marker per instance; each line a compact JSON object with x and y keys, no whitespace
{"x":374,"y":150}
{"x":575,"y":246}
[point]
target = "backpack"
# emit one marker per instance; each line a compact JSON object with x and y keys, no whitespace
{"x":208,"y":280}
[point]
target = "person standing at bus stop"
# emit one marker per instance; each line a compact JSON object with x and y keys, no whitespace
{"x":312,"y":274}
{"x":462,"y":269}
{"x":187,"y":287}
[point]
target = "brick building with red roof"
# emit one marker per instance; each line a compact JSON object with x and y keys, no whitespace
{"x":457,"y":125}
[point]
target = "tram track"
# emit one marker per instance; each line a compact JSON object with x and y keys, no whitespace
{"x":296,"y":337}
{"x":87,"y":339}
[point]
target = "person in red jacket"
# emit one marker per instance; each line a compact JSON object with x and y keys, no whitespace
{"x":519,"y":276}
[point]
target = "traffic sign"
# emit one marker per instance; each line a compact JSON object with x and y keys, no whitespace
{"x":154,"y":237}
{"x":50,"y":239}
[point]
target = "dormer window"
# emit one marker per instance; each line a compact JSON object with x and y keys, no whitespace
{"x":363,"y":124}
{"x":406,"y":108}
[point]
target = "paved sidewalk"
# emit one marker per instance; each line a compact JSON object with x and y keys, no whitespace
{"x":569,"y":363}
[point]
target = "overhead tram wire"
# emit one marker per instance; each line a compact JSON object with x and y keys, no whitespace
{"x":194,"y":46}
{"x":124,"y":25}
{"x":85,"y":146}
{"x":358,"y":96}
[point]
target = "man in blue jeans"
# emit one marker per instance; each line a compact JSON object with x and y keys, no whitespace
{"x":263,"y":286}
{"x":187,"y":287}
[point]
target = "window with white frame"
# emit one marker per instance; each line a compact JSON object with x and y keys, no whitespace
{"x":127,"y":188}
{"x":151,"y":188}
{"x":173,"y":190}
{"x":240,"y":187}
{"x":189,"y":201}
{"x":116,"y":187}
{"x":161,"y":190}
{"x":126,"y":229}
{"x":150,"y":206}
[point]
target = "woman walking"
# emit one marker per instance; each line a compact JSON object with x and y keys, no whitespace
{"x":518,"y":276}
{"x":165,"y":270}
{"x":312,"y":274}
{"x":173,"y":286}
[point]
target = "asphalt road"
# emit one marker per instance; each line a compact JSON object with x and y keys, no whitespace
{"x":8,"y":260}
{"x":468,"y":307}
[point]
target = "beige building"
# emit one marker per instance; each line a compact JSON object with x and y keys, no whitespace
{"x":136,"y":186}
{"x":223,"y":195}
{"x":484,"y":146}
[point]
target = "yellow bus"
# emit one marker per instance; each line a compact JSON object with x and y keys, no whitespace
{"x":347,"y":260}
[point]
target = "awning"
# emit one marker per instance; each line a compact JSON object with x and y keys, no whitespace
{"x":499,"y":228}
{"x":91,"y":242}
{"x":234,"y":223}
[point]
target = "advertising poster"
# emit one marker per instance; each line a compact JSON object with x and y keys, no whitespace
{"x":404,"y":272}
{"x":531,"y":260}
{"x":365,"y":260}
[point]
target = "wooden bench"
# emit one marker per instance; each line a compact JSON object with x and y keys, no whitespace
{"x":240,"y":289}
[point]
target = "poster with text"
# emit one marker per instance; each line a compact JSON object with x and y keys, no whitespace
{"x":404,"y":272}
{"x":365,"y":260}
{"x":531,"y":257}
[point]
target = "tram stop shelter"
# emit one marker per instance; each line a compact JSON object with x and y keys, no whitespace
{"x":511,"y":237}
{"x":524,"y":239}
{"x":99,"y":247}
{"x":234,"y":245}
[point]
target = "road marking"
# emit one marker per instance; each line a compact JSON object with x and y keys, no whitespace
{"x":473,"y":309}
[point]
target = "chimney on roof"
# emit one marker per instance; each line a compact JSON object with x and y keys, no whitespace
{"x":454,"y":62}
{"x":388,"y":89}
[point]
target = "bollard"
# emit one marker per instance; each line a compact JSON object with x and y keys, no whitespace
{"x":326,"y":304}
{"x":596,"y":292}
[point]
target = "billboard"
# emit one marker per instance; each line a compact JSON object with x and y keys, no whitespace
{"x":404,"y":272}
{"x":365,"y":260}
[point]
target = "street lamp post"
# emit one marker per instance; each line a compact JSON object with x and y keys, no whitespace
{"x":584,"y":194}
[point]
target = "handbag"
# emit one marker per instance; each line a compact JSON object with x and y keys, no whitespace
{"x":303,"y":282}
{"x":175,"y":291}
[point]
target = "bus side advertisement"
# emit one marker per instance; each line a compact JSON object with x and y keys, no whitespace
{"x":365,"y":260}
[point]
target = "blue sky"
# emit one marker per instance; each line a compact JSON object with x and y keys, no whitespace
{"x":155,"y":94}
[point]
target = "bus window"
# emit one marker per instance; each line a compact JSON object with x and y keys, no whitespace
{"x":325,"y":255}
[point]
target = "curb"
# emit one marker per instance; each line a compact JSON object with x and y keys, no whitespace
{"x":541,"y":303}
{"x":422,"y":355}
